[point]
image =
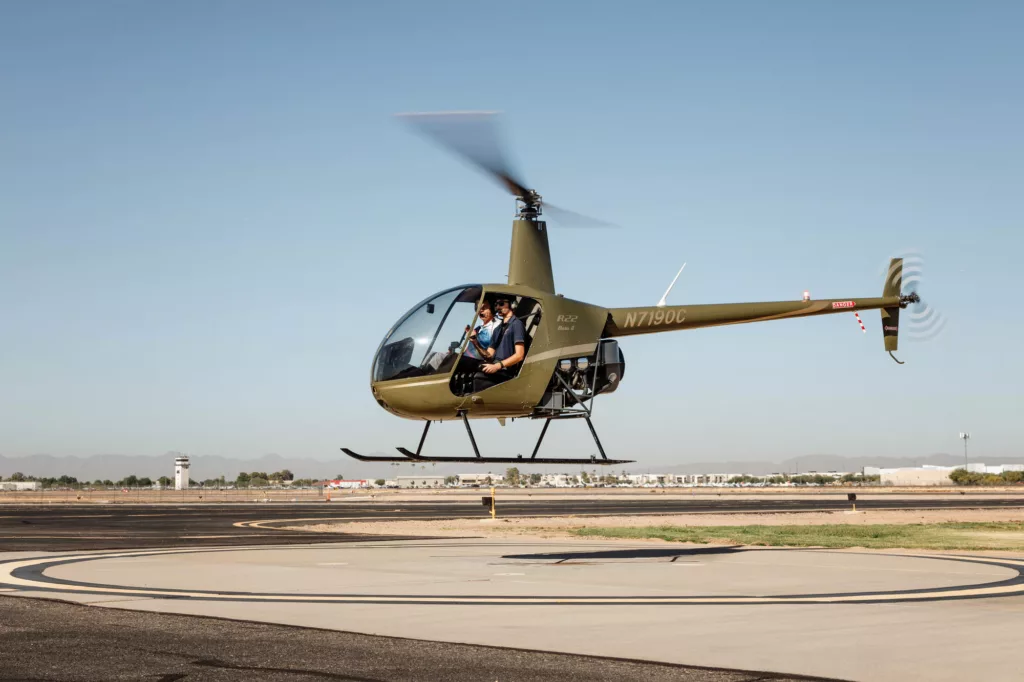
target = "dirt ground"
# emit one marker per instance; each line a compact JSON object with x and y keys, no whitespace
{"x":558,"y":528}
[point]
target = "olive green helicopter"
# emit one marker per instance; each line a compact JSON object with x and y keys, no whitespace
{"x":423,"y":369}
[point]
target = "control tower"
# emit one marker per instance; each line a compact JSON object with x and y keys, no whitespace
{"x":181,"y":473}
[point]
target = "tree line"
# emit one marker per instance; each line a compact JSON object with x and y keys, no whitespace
{"x":132,"y":481}
{"x":261,"y":479}
{"x":254,"y":479}
{"x":965,"y":477}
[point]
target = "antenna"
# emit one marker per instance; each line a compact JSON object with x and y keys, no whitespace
{"x":661,"y":303}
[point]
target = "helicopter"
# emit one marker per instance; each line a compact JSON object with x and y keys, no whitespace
{"x":422,"y":370}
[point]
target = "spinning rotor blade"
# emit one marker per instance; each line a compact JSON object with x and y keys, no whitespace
{"x":566,"y":218}
{"x":473,"y":135}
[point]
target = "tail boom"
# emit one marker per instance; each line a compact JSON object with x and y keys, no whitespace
{"x":654,"y":319}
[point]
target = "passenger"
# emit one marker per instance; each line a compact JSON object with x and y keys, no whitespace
{"x":480,"y":337}
{"x":506,"y":349}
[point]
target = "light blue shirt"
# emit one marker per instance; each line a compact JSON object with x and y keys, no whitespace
{"x":483,"y":335}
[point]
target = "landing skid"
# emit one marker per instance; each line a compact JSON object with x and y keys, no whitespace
{"x":487,"y":460}
{"x":372,"y":458}
{"x":410,"y":456}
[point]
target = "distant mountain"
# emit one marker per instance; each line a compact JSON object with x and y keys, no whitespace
{"x":824,"y":463}
{"x":204,"y":467}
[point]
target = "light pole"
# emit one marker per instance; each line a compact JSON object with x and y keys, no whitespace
{"x":964,"y":436}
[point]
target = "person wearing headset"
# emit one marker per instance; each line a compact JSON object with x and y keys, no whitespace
{"x":506,"y":349}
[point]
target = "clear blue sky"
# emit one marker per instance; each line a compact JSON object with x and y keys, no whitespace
{"x":209,"y":217}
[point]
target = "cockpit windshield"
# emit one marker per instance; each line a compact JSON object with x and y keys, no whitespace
{"x":429,"y":338}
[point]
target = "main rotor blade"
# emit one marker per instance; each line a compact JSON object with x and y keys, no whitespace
{"x":566,"y":218}
{"x":473,"y":135}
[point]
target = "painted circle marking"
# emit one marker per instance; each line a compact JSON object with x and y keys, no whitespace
{"x":30,"y":574}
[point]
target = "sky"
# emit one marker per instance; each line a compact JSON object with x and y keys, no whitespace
{"x":209,"y":217}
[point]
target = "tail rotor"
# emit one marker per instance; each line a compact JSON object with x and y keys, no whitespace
{"x":924,"y":321}
{"x":921,"y":322}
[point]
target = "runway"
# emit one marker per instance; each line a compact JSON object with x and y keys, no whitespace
{"x":93,"y":527}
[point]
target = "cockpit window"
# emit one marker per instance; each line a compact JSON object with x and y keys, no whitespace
{"x":429,"y":338}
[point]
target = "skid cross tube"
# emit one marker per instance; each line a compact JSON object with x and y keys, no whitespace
{"x":544,"y":430}
{"x":419,"y":447}
{"x":596,"y":439}
{"x":476,"y":450}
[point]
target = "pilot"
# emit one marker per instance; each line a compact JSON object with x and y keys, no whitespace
{"x":480,"y":337}
{"x":506,"y":349}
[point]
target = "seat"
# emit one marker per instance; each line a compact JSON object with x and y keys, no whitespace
{"x":530,"y":320}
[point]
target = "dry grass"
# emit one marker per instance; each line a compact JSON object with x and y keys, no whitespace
{"x":947,"y":536}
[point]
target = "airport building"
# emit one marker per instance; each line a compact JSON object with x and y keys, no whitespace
{"x":912,"y":476}
{"x":480,"y":479}
{"x":350,"y":484}
{"x":979,"y":468}
{"x":421,"y":481}
{"x":646,"y":480}
{"x":930,"y":474}
{"x":558,"y":480}
{"x":20,"y":485}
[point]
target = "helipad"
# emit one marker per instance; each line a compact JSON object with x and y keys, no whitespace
{"x":847,"y":614}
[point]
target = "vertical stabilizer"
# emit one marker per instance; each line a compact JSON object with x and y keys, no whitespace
{"x":891,"y":316}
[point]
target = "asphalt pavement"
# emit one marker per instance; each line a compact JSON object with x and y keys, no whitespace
{"x":64,"y":527}
{"x":52,"y":640}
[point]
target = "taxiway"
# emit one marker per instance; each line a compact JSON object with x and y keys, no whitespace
{"x":60,"y":527}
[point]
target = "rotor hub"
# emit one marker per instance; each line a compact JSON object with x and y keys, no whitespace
{"x":907,"y":299}
{"x":528,"y":205}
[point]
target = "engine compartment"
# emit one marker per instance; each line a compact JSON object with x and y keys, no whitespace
{"x":578,"y":380}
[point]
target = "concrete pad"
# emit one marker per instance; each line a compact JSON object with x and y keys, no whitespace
{"x":452,"y":568}
{"x":846,"y":614}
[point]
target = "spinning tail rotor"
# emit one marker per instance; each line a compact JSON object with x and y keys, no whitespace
{"x":925,"y":322}
{"x":921,"y":321}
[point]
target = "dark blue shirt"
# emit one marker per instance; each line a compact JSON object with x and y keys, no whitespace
{"x":505,"y":338}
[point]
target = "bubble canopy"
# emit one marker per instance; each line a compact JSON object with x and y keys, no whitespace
{"x":428,"y":339}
